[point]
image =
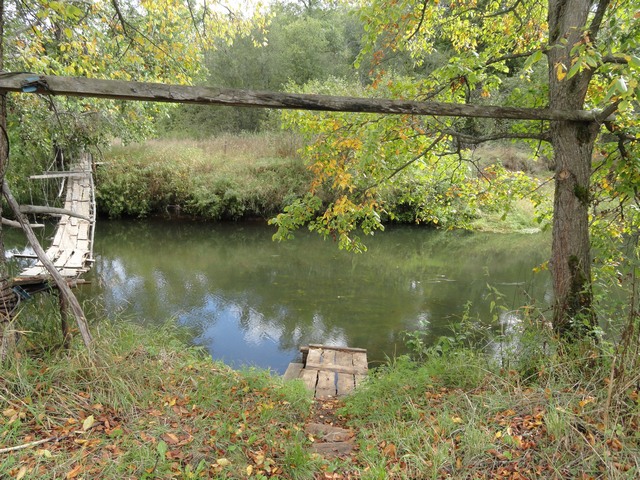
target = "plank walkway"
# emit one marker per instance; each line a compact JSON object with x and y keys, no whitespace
{"x":71,"y":250}
{"x":330,"y":371}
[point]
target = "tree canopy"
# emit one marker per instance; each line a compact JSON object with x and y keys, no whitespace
{"x":577,"y":54}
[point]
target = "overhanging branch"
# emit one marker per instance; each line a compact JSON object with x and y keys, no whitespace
{"x":473,"y":140}
{"x":156,"y":92}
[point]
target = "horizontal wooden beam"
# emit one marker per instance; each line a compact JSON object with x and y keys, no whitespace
{"x":38,"y":210}
{"x":157,"y":92}
{"x":59,"y":175}
{"x":14,"y":224}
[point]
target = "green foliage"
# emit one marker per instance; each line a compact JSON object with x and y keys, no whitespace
{"x":200,"y":179}
{"x":296,"y":46}
{"x":148,"y":41}
{"x":368,"y":169}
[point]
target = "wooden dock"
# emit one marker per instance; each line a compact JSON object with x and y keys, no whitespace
{"x":330,"y":371}
{"x":71,"y":250}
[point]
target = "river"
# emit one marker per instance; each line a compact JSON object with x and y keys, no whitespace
{"x":251,"y":301}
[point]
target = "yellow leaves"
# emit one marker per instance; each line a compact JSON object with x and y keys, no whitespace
{"x":350,"y":143}
{"x":88,"y":423}
{"x":12,"y":414}
{"x":74,"y":472}
{"x":170,"y":438}
{"x":21,"y":473}
{"x":561,"y":71}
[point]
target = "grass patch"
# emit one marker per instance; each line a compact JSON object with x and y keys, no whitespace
{"x":415,"y":422}
{"x":227,"y":177}
{"x":147,"y":407}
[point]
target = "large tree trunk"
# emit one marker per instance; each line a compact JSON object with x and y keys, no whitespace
{"x":573,"y":148}
{"x":570,"y":251}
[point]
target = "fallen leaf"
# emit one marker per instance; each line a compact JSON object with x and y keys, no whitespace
{"x":223,"y":462}
{"x":9,"y":412}
{"x":170,"y":438}
{"x":74,"y":472}
{"x":390,"y":450}
{"x":21,"y":473}
{"x":44,"y":453}
{"x":88,"y":423}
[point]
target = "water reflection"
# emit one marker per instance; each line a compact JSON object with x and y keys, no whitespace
{"x":253,"y":301}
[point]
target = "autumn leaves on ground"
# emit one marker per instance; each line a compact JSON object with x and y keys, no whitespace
{"x":151,"y":407}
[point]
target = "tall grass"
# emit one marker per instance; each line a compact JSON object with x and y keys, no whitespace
{"x":146,"y":405}
{"x":226,"y":177}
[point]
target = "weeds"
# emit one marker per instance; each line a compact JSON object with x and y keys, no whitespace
{"x":151,"y":408}
{"x":227,"y":177}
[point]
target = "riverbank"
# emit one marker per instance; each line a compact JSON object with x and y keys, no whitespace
{"x":233,"y":177}
{"x":152,"y":407}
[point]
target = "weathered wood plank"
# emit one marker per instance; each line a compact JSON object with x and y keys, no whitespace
{"x":76,"y":260}
{"x":50,"y":211}
{"x":344,"y":359}
{"x":156,"y":92}
{"x":346,"y":384}
{"x":293,"y":371}
{"x":332,"y":367}
{"x":63,"y":257}
{"x":326,"y":386}
{"x":56,"y":175}
{"x":314,"y":356}
{"x":360,"y":361}
{"x":310,"y":379}
{"x":336,"y":348}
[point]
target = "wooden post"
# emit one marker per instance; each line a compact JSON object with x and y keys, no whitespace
{"x":64,"y":321}
{"x":65,"y":291}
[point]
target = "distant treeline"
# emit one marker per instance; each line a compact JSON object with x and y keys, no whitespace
{"x":304,"y":42}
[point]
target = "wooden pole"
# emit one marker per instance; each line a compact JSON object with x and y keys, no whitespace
{"x":37,"y":209}
{"x":66,"y":295}
{"x":157,"y":92}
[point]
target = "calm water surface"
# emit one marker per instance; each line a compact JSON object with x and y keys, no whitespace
{"x":251,"y":301}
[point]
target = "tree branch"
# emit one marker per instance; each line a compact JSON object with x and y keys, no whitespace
{"x":123,"y":22}
{"x":511,"y":56}
{"x":419,"y":26}
{"x":542,"y":136}
{"x":405,"y":165}
{"x":614,"y":59}
{"x":157,"y":92}
{"x":607,"y":112}
{"x":26,"y":445}
{"x":596,"y":23}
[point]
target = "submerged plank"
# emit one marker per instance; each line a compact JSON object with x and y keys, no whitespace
{"x":293,"y":371}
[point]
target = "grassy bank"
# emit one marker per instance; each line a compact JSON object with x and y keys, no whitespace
{"x":149,"y":407}
{"x":152,"y":407}
{"x":243,"y":176}
{"x":227,"y":177}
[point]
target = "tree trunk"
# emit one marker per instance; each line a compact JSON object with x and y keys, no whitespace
{"x":573,"y":148}
{"x":7,"y":334}
{"x":570,"y":251}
